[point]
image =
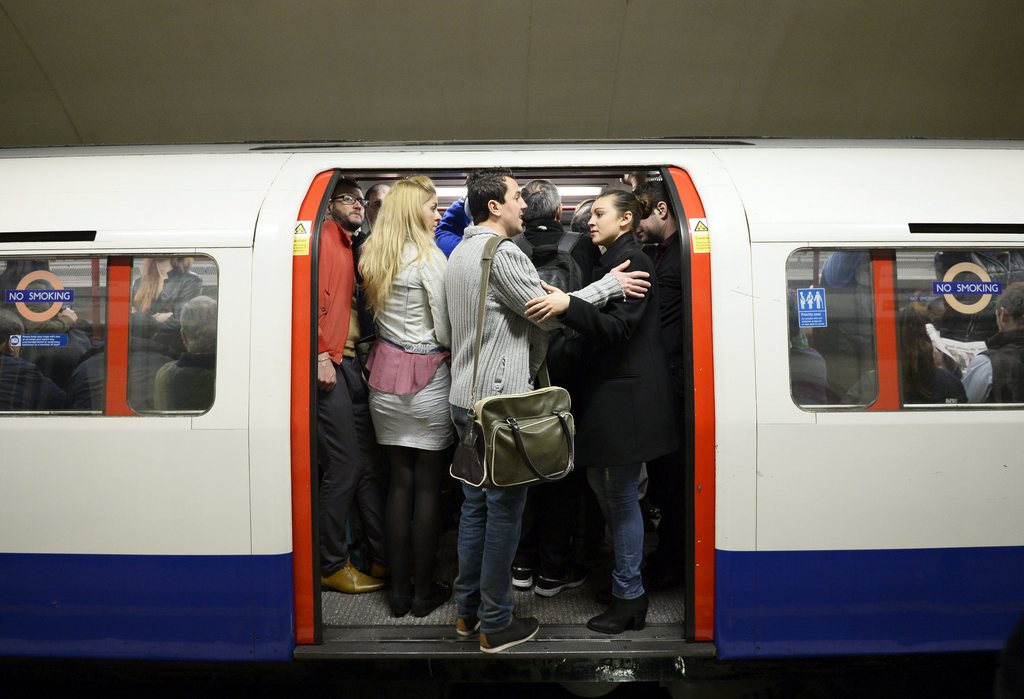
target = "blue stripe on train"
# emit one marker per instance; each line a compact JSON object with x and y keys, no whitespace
{"x":804,"y":603}
{"x":152,"y":607}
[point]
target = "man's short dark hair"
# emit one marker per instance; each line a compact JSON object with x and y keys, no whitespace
{"x":543,"y":200}
{"x":654,"y":190}
{"x":344,"y":182}
{"x":484,"y":185}
{"x":10,"y":324}
{"x":1012,"y":300}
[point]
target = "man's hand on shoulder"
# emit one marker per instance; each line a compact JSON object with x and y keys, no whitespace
{"x":634,"y":284}
{"x":543,"y":307}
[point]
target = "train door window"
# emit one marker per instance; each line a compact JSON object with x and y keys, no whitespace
{"x":960,"y":326}
{"x":173,"y":346}
{"x":52,"y":323}
{"x":831,"y":328}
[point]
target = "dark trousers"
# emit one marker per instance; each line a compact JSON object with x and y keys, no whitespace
{"x":349,"y":467}
{"x":549,"y":524}
{"x":666,"y":488}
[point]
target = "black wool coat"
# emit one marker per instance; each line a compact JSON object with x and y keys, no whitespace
{"x":622,"y":402}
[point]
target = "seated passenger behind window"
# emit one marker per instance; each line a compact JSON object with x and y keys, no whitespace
{"x":808,"y":375}
{"x":87,"y":386}
{"x":158,"y":295}
{"x":56,"y":363}
{"x":188,"y":383}
{"x":22,"y":385}
{"x":923,"y":376}
{"x":997,"y":374}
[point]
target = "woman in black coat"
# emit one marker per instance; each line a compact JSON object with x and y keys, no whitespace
{"x":623,"y":403}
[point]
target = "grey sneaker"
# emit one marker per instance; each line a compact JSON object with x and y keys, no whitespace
{"x":549,"y":587}
{"x":519,"y":631}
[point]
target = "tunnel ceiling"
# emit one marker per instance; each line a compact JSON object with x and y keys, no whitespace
{"x":172,"y":71}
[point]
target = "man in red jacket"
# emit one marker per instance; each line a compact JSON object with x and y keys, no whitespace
{"x":345,"y":438}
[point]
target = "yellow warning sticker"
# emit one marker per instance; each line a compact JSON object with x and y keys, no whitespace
{"x":700,"y":235}
{"x":300,"y":238}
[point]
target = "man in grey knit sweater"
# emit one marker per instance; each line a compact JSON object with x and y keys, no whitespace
{"x":511,"y":353}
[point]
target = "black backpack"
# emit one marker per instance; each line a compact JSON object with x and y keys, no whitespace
{"x":555,"y":263}
{"x":556,"y":266}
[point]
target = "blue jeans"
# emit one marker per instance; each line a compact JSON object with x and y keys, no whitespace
{"x":488,"y":538}
{"x":617,"y":494}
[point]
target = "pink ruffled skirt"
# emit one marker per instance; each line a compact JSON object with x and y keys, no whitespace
{"x":409,"y":394}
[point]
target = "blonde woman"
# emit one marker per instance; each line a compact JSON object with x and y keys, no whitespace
{"x":403,"y":274}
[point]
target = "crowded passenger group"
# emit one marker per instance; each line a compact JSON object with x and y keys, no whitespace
{"x":399,"y":290}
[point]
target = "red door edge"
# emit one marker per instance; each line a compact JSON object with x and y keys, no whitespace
{"x":883,"y":270}
{"x":119,"y":310}
{"x":305,"y":587}
{"x":703,"y":495}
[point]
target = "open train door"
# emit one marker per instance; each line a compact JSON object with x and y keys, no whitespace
{"x":305,"y":564}
{"x":699,"y":408}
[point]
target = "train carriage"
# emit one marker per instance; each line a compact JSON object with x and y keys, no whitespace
{"x":836,"y":519}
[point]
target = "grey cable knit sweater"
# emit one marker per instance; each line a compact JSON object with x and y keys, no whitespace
{"x":513,"y":347}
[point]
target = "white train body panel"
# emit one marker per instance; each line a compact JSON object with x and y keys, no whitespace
{"x":811,"y":506}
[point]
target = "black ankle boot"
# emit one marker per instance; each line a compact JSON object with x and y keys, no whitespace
{"x":438,"y":595}
{"x":622,"y":614}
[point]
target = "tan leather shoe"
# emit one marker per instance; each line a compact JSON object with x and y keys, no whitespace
{"x":352,"y":581}
{"x":379,"y":570}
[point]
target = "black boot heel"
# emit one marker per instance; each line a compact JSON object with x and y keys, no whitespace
{"x":439,"y":594}
{"x":621,"y":615}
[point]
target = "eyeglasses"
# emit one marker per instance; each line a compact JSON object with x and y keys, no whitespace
{"x":349,"y":200}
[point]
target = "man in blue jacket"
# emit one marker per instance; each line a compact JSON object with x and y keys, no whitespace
{"x":449,"y":231}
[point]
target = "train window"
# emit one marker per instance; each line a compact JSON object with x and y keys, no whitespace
{"x":173,"y":346}
{"x":831,"y":328}
{"x":52,"y":326}
{"x":960,"y":326}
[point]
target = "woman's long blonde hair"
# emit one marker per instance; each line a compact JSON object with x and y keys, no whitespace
{"x":400,"y":221}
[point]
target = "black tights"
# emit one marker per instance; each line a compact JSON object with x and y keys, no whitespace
{"x":414,"y":506}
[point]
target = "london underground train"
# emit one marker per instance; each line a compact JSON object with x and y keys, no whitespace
{"x":830,"y":512}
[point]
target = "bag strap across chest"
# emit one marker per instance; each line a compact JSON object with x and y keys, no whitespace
{"x":486,"y":261}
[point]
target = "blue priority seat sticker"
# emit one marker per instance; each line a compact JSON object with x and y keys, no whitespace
{"x":812,"y":308}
